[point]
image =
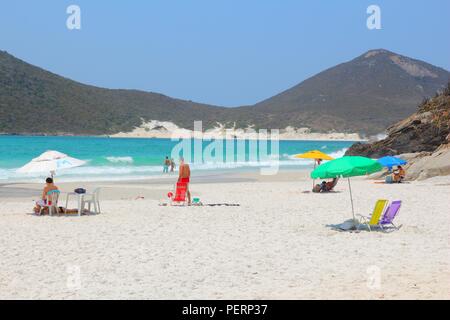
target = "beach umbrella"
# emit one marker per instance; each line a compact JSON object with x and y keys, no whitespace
{"x":314,"y":154}
{"x":346,"y":167}
{"x":50,"y":161}
{"x":390,"y":161}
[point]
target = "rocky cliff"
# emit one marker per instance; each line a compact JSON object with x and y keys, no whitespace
{"x":423,"y":139}
{"x":425,"y":130}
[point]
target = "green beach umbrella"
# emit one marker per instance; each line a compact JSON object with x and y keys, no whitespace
{"x":347,"y":167}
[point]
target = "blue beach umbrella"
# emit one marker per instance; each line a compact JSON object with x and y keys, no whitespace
{"x":390,"y":161}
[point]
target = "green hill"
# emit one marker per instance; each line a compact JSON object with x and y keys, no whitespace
{"x":33,"y":100}
{"x":364,"y":95}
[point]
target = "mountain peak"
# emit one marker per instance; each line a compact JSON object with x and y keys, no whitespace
{"x":375,"y":52}
{"x":366,"y":94}
{"x":413,"y":67}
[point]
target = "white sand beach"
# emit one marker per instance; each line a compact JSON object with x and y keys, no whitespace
{"x":276,"y":245}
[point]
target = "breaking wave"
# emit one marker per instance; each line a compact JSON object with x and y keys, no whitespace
{"x":120,"y":159}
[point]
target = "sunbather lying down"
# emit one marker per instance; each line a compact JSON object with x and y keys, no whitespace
{"x":325,"y":186}
{"x":199,"y":204}
{"x":60,"y":210}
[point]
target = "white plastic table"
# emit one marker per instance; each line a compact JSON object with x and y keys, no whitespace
{"x":80,"y":200}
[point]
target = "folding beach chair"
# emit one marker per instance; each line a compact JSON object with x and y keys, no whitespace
{"x":389,"y":216}
{"x":52,"y":202}
{"x":374,"y":219}
{"x":179,"y":198}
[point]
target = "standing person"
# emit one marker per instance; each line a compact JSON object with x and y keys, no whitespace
{"x":184,"y":176}
{"x":166,"y":165}
{"x":172,"y":165}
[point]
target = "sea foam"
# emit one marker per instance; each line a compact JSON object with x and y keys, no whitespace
{"x":120,"y":159}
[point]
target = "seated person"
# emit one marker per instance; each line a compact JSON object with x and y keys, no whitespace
{"x":317,"y":188}
{"x":325,"y":186}
{"x":329,"y":186}
{"x":49,"y":186}
{"x":398,"y":175}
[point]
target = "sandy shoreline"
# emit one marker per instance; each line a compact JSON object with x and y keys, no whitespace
{"x":345,"y":137}
{"x":276,"y":245}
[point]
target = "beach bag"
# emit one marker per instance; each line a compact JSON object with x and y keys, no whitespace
{"x":389,"y":179}
{"x":80,"y":190}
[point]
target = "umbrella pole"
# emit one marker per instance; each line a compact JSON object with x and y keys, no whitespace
{"x":351,"y":198}
{"x":314,"y":180}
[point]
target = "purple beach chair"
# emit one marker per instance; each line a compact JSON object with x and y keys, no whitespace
{"x":390,"y":214}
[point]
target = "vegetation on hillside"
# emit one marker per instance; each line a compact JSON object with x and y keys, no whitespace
{"x":364,"y":95}
{"x":33,"y":100}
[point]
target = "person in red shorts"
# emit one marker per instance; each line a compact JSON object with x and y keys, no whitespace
{"x":184,"y":175}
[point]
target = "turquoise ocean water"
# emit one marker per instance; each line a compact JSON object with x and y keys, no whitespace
{"x":128,"y":158}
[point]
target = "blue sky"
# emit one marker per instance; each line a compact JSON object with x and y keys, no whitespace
{"x":223,"y":52}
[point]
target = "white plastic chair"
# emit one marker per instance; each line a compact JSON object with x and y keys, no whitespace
{"x":52,"y":202}
{"x":92,"y":199}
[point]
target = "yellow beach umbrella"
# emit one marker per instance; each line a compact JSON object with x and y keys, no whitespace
{"x":314,"y":154}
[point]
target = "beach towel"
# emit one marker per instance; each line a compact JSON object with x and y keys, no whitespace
{"x":348,"y":225}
